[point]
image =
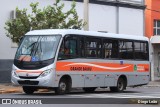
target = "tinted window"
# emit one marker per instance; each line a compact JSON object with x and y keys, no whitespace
{"x":93,"y":47}
{"x":110,"y":48}
{"x":68,"y":48}
{"x":81,"y":47}
{"x":141,"y":50}
{"x":126,"y":49}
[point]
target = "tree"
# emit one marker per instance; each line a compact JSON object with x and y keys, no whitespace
{"x":50,"y":17}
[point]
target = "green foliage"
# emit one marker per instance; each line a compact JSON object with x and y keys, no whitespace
{"x":50,"y":17}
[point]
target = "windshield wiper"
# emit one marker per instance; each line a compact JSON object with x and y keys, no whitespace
{"x":38,"y":44}
{"x":35,"y":46}
{"x":32,"y":44}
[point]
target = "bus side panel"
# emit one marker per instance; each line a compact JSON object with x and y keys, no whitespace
{"x":110,"y":81}
{"x":96,"y":74}
{"x":94,"y":80}
{"x":77,"y":80}
{"x":137,"y":80}
{"x":100,"y":80}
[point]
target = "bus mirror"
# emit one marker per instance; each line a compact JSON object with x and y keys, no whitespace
{"x":21,"y":39}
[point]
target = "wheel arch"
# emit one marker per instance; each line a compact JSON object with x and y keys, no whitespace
{"x":67,"y":78}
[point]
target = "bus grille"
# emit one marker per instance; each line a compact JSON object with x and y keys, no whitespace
{"x":27,"y":82}
{"x":23,"y":77}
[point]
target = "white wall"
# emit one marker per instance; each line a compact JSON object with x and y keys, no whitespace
{"x":101,"y":18}
{"x":79,"y":8}
{"x":6,"y":6}
{"x":131,"y":21}
{"x":155,"y":54}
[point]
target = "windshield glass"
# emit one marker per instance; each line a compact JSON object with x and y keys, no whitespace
{"x":38,"y":48}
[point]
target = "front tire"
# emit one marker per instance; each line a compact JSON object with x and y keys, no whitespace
{"x":63,"y":87}
{"x":120,"y":86}
{"x":28,"y":90}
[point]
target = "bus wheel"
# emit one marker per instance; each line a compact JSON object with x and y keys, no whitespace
{"x":89,"y":89}
{"x":28,"y":90}
{"x":62,"y":87}
{"x":120,"y":86}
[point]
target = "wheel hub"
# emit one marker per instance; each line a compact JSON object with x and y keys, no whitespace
{"x":120,"y":86}
{"x":63,"y":86}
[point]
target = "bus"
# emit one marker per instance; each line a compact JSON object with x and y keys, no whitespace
{"x":62,"y":59}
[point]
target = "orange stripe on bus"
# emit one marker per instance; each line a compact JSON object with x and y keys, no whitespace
{"x":18,"y":71}
{"x":143,"y":67}
{"x":94,"y":66}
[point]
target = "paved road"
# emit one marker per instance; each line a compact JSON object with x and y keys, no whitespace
{"x":101,"y":96}
{"x":138,"y":92}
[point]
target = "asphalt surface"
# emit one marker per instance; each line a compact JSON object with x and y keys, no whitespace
{"x":102,"y":96}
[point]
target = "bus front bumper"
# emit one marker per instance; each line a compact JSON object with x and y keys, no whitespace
{"x":46,"y":81}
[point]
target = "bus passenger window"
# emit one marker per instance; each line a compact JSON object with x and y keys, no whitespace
{"x":126,"y":49}
{"x":81,"y":47}
{"x":115,"y":49}
{"x":93,"y":47}
{"x":141,"y":50}
{"x":110,"y":48}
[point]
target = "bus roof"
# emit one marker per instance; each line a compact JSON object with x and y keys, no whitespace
{"x":63,"y":32}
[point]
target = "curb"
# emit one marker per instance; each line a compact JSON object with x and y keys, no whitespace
{"x":43,"y":90}
{"x":10,"y":91}
{"x":3,"y":91}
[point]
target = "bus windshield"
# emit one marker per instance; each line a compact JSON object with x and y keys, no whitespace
{"x":37,"y":48}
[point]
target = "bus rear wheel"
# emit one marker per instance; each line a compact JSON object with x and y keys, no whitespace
{"x":28,"y":90}
{"x":92,"y":89}
{"x":121,"y":85}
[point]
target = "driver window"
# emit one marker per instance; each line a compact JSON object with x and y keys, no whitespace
{"x":68,"y":48}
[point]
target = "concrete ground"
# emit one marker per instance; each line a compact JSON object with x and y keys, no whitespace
{"x":9,"y":88}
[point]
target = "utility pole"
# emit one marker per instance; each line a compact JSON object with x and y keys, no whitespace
{"x":86,"y":12}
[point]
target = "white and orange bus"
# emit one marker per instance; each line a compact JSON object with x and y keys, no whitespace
{"x":64,"y":59}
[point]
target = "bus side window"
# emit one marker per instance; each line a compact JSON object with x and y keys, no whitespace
{"x":126,"y":49}
{"x":141,"y":50}
{"x":81,"y":47}
{"x":107,"y":47}
{"x":115,"y":49}
{"x":68,"y":48}
{"x":93,"y":47}
{"x":61,"y":51}
{"x":111,"y":48}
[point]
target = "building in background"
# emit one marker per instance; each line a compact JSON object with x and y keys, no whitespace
{"x":114,"y":16}
{"x":152,"y":21}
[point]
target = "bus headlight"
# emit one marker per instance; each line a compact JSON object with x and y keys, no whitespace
{"x":46,"y":72}
{"x":14,"y":73}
